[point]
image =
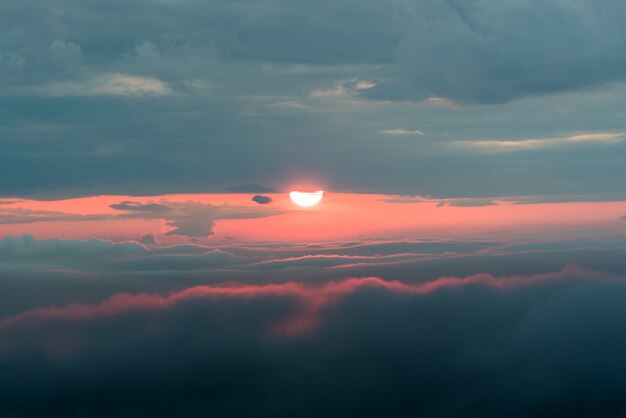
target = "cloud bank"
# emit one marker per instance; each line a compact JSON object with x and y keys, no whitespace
{"x":481,"y":345}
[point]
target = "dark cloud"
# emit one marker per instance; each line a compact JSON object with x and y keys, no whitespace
{"x":95,"y":255}
{"x":140,"y":207}
{"x":197,"y":220}
{"x":26,"y":253}
{"x":392,"y":259}
{"x":466,"y":203}
{"x":480,"y":346}
{"x":261,"y":200}
{"x":26,"y":216}
{"x":148,"y":239}
{"x":66,"y":271}
{"x":494,"y":51}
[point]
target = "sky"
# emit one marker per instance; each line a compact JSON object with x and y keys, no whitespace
{"x":466,"y":259}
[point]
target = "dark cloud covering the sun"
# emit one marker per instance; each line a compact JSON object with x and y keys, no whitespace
{"x":154,"y":97}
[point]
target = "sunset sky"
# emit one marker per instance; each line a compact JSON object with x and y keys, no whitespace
{"x":467,"y":256}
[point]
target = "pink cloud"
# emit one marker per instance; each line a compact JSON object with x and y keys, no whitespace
{"x":310,"y":300}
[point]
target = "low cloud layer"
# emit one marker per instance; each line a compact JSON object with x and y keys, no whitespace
{"x":361,"y":347}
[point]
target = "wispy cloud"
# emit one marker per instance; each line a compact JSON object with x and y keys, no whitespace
{"x":343,"y":88}
{"x":401,"y":132}
{"x":442,"y":101}
{"x":110,"y":84}
{"x":539,"y":143}
{"x":288,"y":105}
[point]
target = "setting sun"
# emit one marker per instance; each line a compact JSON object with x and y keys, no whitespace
{"x":306,"y":199}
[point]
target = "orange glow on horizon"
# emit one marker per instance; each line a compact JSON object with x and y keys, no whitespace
{"x":343,"y":216}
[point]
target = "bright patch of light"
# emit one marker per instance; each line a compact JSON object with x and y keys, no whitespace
{"x":306,"y":199}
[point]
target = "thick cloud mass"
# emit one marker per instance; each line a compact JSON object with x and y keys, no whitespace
{"x":493,"y":51}
{"x":445,"y":329}
{"x":482,"y":346}
{"x":211,"y":95}
{"x":473,"y":104}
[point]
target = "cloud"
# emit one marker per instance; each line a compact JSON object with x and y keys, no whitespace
{"x":150,"y":266}
{"x":12,"y":61}
{"x":191,"y":219}
{"x":198,"y":84}
{"x":148,"y":239}
{"x":472,"y":51}
{"x":25,"y":216}
{"x":130,"y":206}
{"x":95,"y":257}
{"x":264,"y":261}
{"x":197,"y":220}
{"x":539,"y":143}
{"x":288,"y":105}
{"x":466,"y":203}
{"x":111,"y":84}
{"x":359,"y":346}
{"x":147,"y":51}
{"x":314,"y":298}
{"x":408,"y":199}
{"x":24,"y":253}
{"x":443,"y":102}
{"x":66,"y":53}
{"x":441,"y":202}
{"x":261,"y":200}
{"x":401,"y":132}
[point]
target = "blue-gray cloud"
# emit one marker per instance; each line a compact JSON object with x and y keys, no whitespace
{"x":492,"y":51}
{"x":197,"y":88}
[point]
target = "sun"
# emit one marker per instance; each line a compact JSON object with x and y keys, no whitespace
{"x":306,"y":199}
